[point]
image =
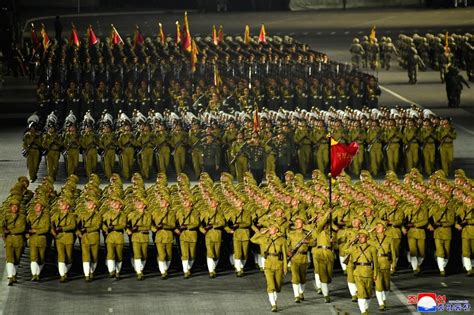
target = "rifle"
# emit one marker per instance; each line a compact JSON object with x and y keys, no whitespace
{"x":239,"y":153}
{"x":300,"y":243}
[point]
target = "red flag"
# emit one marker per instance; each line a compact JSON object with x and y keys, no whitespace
{"x":217,"y":78}
{"x":341,"y":156}
{"x":91,"y":37}
{"x":115,"y":36}
{"x":194,"y":54}
{"x":138,"y":37}
{"x":256,"y":121}
{"x":74,"y":38}
{"x":45,"y":36}
{"x":446,"y":44}
{"x":162,"y":34}
{"x":220,"y":36}
{"x":373,"y":36}
{"x":215,"y":40}
{"x":178,"y":33}
{"x":187,"y":34}
{"x":34,"y":37}
{"x":247,"y":35}
{"x":262,"y":36}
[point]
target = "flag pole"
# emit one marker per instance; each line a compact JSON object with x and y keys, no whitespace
{"x":330,"y":186}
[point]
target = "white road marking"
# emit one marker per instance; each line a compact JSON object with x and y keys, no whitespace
{"x":319,"y":33}
{"x":346,"y":32}
{"x":414,"y":103}
{"x":305,"y":33}
{"x":109,"y":289}
{"x":401,"y":297}
{"x":332,"y":33}
{"x":111,"y":310}
{"x":444,"y":284}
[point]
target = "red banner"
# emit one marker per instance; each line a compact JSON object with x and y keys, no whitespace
{"x":341,"y":156}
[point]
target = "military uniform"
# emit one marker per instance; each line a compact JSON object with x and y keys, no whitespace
{"x":445,"y":137}
{"x":241,"y":221}
{"x":114,"y":223}
{"x":417,"y":218}
{"x":89,"y":223}
{"x":162,"y":151}
{"x":442,"y":220}
{"x":89,"y":143}
{"x":13,"y":234}
{"x":321,"y":150}
{"x":465,"y":218}
{"x":52,"y":144}
{"x":72,"y":146}
{"x":241,"y":160}
{"x":32,"y":151}
{"x":63,"y":226}
{"x":178,"y":140}
{"x":391,"y":138}
{"x":213,"y":224}
{"x":126,"y":144}
{"x":384,"y":247}
{"x":107,"y":146}
{"x":374,"y":149}
{"x":428,"y":148}
{"x":303,"y":142}
{"x":146,"y":144}
{"x":39,"y":225}
{"x":299,"y":261}
{"x":188,"y":223}
{"x":164,"y":221}
{"x":139,"y":227}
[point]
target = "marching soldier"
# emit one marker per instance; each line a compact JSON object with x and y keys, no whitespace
{"x":89,"y":223}
{"x":391,"y":137}
{"x":428,"y":148}
{"x":240,"y":222}
{"x":126,"y":145}
{"x":283,"y":153}
{"x":13,"y":233}
{"x":416,"y":216}
{"x":32,"y":150}
{"x":372,"y":93}
{"x":72,"y":145}
{"x":89,"y":144}
{"x":195,"y":138}
{"x":357,"y":53}
{"x":319,"y":139}
{"x":446,"y":135}
{"x":63,"y":225}
{"x":256,"y":158}
{"x":114,"y":222}
{"x":384,"y":248}
{"x":211,"y":157}
{"x":146,"y":144}
{"x":238,"y":157}
{"x":52,"y":144}
{"x":139,"y":225}
{"x":164,"y":222}
{"x":178,"y":140}
{"x":38,"y":225}
{"x":143,"y":97}
{"x":410,"y":145}
{"x":442,"y":220}
{"x":298,"y":246}
{"x":357,"y":134}
{"x":188,"y":223}
{"x":303,"y":143}
{"x":116,"y":98}
{"x":364,"y":259}
{"x":213,"y":222}
{"x":107,"y":147}
{"x":162,"y":149}
{"x":374,"y":147}
{"x":275,"y":254}
{"x":465,"y":224}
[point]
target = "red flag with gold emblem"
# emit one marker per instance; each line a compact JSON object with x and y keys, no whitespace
{"x":373,"y":36}
{"x":34,"y":37}
{"x":45,"y":36}
{"x":138,"y":37}
{"x":262,"y":37}
{"x":91,"y":37}
{"x":220,"y":35}
{"x":187,"y":34}
{"x":74,"y":38}
{"x":194,"y":54}
{"x":215,"y":40}
{"x":178,"y":33}
{"x":247,"y":35}
{"x":341,"y":156}
{"x":162,"y":34}
{"x":115,"y":36}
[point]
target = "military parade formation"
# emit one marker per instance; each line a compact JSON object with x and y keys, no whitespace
{"x":279,"y":226}
{"x":251,"y":120}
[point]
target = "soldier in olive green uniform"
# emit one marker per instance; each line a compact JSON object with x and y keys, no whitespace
{"x":72,"y":145}
{"x":442,"y":220}
{"x":358,"y":135}
{"x":391,"y":137}
{"x":38,"y":222}
{"x":126,"y":144}
{"x":211,"y":156}
{"x":52,"y":144}
{"x":188,"y":223}
{"x":351,"y":235}
{"x":107,"y":146}
{"x":114,"y":223}
{"x":13,"y":234}
{"x":303,"y":143}
{"x":63,"y":225}
{"x":364,"y":259}
{"x":393,"y":217}
{"x":298,"y":246}
{"x":445,"y":135}
{"x":228,"y":139}
{"x":195,"y":137}
{"x":162,"y":149}
{"x":164,"y":221}
{"x":374,"y":148}
{"x":384,"y":247}
{"x":178,"y":141}
{"x":238,"y":157}
{"x":427,"y":140}
{"x":89,"y":144}
{"x":241,"y":221}
{"x":319,"y":139}
{"x":89,"y":223}
{"x":275,"y":260}
{"x":465,"y":218}
{"x":32,"y":151}
{"x":256,"y":158}
{"x":139,"y":221}
{"x":146,"y":145}
{"x":212,"y":225}
{"x":416,"y":216}
{"x":410,"y":145}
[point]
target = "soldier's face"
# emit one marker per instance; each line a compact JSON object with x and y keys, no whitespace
{"x":14,"y":209}
{"x":38,"y":208}
{"x":273,"y":230}
{"x":362,"y":238}
{"x":380,"y":228}
{"x":90,"y":205}
{"x":356,"y":223}
{"x":299,"y":224}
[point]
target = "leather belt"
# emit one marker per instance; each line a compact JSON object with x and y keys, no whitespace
{"x":363,"y":264}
